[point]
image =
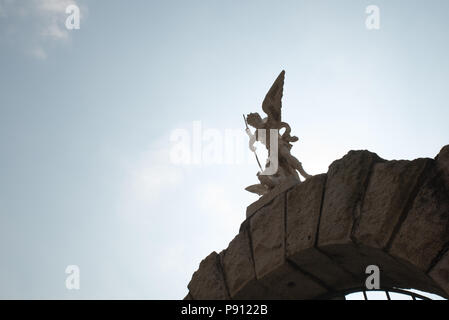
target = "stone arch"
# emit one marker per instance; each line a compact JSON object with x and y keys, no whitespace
{"x":307,"y":240}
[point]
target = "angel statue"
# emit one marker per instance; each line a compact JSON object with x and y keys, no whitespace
{"x":287,"y":165}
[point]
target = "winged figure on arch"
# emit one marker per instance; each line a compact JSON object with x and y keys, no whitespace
{"x":286,"y":166}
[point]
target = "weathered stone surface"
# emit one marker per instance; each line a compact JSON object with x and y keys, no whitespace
{"x":303,"y":214}
{"x":393,"y":272}
{"x":267,"y":235}
{"x":442,"y":162}
{"x":238,"y":264}
{"x":267,"y":198}
{"x":288,"y":283}
{"x":440,"y":273}
{"x":391,"y":188}
{"x":425,"y":230}
{"x":322,"y":267}
{"x":345,"y":187}
{"x":348,"y":258}
{"x":240,"y":272}
{"x":208,"y":282}
{"x":253,"y":290}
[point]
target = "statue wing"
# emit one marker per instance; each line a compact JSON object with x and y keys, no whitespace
{"x":272,"y":103}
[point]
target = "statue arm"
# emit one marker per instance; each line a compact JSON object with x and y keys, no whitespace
{"x":252,"y":139}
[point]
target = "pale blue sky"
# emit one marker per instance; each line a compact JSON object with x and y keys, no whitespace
{"x":86,"y":115}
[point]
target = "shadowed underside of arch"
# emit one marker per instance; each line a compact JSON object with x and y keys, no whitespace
{"x":307,"y":240}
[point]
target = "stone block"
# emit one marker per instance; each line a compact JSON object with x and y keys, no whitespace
{"x":286,"y":282}
{"x":208,"y":282}
{"x":267,"y":198}
{"x":440,"y":273}
{"x":303,"y":214}
{"x":267,"y":234}
{"x":425,"y":230}
{"x":346,"y":182}
{"x":320,"y":266}
{"x":238,"y":267}
{"x":391,"y":188}
{"x":393,"y":272}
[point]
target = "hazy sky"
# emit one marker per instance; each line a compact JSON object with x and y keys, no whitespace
{"x":86,"y":116}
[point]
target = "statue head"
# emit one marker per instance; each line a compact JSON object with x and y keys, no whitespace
{"x":254,"y":120}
